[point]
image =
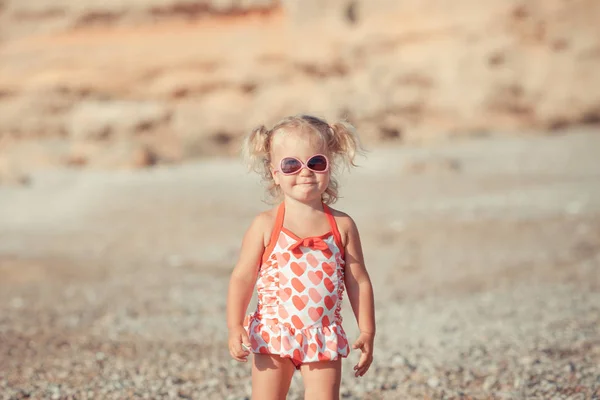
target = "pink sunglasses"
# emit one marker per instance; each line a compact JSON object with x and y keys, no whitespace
{"x":291,"y":165}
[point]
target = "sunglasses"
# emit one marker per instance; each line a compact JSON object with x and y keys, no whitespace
{"x":291,"y":165}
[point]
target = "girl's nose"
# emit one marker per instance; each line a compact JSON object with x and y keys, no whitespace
{"x":305,"y":171}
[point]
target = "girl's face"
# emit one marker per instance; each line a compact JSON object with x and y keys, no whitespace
{"x":306,"y":185}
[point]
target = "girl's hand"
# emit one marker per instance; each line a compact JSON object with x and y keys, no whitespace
{"x":365,"y":344}
{"x":237,"y":337}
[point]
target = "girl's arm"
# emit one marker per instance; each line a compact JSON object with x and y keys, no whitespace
{"x":241,"y":285}
{"x":360,"y":294}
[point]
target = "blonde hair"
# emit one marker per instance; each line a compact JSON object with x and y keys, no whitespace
{"x":340,"y":137}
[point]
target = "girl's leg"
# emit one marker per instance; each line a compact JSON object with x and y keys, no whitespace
{"x":271,"y":376}
{"x":322,"y":380}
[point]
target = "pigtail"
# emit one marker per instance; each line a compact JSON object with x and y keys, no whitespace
{"x":344,"y":142}
{"x":255,"y":149}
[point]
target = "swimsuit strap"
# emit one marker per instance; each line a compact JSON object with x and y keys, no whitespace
{"x":279,"y":225}
{"x":275,"y":233}
{"x":334,"y":228}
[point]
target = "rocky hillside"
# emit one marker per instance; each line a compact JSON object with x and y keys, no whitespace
{"x":97,"y":84}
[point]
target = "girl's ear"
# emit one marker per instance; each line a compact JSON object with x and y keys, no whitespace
{"x":275,"y":176}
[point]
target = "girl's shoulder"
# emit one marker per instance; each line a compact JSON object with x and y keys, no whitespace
{"x":341,"y":217}
{"x":264,"y":222}
{"x":345,"y":224}
{"x":267,"y":217}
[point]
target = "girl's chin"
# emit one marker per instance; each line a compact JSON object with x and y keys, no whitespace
{"x":307,"y":189}
{"x":305,"y":194}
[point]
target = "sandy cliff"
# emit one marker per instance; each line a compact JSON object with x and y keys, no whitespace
{"x":94,"y":83}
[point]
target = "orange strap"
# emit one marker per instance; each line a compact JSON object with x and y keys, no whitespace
{"x":334,"y":228}
{"x":275,"y":234}
{"x":279,"y":224}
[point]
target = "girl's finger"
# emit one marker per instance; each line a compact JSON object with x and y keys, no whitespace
{"x":242,"y":353}
{"x":245,"y":339}
{"x":240,"y":348}
{"x":238,"y":354}
{"x":233,"y":355}
{"x":237,"y":358}
{"x":363,"y":370}
{"x":362,"y":367}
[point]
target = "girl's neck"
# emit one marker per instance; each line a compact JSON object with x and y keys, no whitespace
{"x":303,"y":209}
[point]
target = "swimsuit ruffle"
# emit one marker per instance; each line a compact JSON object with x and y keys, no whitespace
{"x":267,"y":286}
{"x":340,"y":272}
{"x":315,"y":343}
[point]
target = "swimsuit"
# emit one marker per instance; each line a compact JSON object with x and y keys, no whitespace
{"x":300,"y":285}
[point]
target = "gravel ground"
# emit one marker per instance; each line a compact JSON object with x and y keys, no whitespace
{"x":485,"y":256}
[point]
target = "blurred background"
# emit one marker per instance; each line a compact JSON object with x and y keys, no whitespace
{"x":123,"y":201}
{"x":132,"y":83}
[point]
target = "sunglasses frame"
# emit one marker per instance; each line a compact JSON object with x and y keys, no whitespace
{"x":303,"y":165}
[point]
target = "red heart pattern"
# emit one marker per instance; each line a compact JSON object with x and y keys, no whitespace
{"x":282,"y":259}
{"x":342,"y":343}
{"x":328,"y":268}
{"x":315,"y":276}
{"x":312,"y":260}
{"x":297,"y":355}
{"x":314,"y":294}
{"x":285,"y":293}
{"x":283,"y":312}
{"x":298,"y":285}
{"x":286,"y":343}
{"x":276,"y":343}
{"x":315,"y":313}
{"x":297,"y":322}
{"x":298,"y":268}
{"x":312,"y":349}
{"x":330,"y":301}
{"x":329,"y":284}
{"x":282,"y":241}
{"x":300,"y":301}
{"x":283,"y":280}
{"x":333,"y":346}
{"x":265,"y":336}
{"x":299,"y":293}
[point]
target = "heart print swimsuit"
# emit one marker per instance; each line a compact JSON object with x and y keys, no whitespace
{"x":300,"y":285}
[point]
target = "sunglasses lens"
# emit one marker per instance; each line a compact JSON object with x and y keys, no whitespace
{"x":290,"y":165}
{"x":317,"y":163}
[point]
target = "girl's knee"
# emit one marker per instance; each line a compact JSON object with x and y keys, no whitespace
{"x":322,"y":392}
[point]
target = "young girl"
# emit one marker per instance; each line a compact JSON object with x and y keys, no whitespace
{"x":300,"y":255}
